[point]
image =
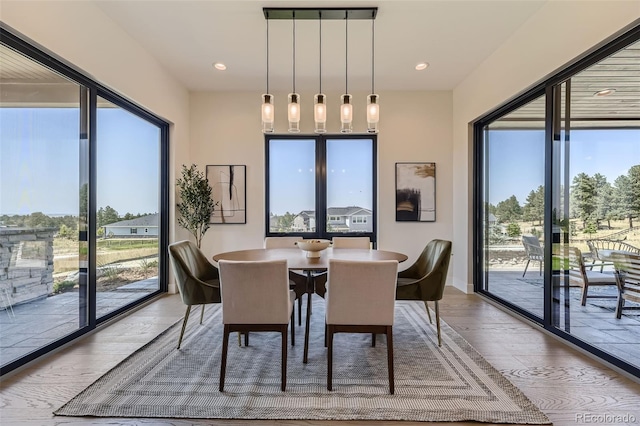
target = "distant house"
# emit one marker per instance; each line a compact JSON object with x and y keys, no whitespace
{"x":339,"y":219}
{"x":141,"y":227}
{"x":305,"y":221}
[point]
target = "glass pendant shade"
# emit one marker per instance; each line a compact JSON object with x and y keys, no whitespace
{"x":346,"y":113}
{"x":373,"y":113}
{"x":294,"y":113}
{"x":267,"y":113}
{"x":320,"y":112}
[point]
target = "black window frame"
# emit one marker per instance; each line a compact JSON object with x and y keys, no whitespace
{"x":321,"y":186}
{"x":94,"y":89}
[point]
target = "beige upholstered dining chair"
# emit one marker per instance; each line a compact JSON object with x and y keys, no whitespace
{"x":533,"y":251}
{"x":351,"y":242}
{"x":256,"y":297}
{"x":297,"y":279}
{"x":197,"y":279}
{"x":579,"y":276}
{"x":361,"y":299}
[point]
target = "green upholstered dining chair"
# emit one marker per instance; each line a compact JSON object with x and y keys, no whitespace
{"x":197,"y":279}
{"x":426,"y":278}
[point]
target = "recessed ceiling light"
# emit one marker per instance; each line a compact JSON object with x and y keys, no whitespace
{"x":604,"y":92}
{"x":220,"y":66}
{"x":422,"y":66}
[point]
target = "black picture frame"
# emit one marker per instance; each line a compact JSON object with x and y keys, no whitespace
{"x":415,"y":192}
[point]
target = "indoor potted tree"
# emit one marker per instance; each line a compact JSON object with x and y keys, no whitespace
{"x":196,"y":205}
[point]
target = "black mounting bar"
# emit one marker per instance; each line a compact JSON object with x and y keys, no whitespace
{"x":322,"y":12}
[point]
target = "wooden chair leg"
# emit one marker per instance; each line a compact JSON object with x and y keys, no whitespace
{"x":201,"y":314}
{"x":438,"y":323}
{"x":283,"y":380}
{"x":583,"y":299}
{"x":246,"y":338}
{"x":426,"y":305}
{"x":223,"y":363}
{"x":373,"y":340}
{"x":526,"y":266}
{"x":300,"y":311}
{"x":390,"y":358}
{"x":293,"y":329}
{"x":619,"y":306}
{"x":184,"y":325}
{"x":325,"y":335}
{"x":330,"y":357}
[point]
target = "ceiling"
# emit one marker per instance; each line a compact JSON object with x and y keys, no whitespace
{"x":187,"y":37}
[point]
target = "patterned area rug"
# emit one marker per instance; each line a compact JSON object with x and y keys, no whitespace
{"x":451,"y":383}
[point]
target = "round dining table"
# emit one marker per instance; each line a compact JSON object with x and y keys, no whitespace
{"x":297,"y":259}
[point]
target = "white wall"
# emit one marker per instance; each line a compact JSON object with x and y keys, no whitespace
{"x":414,"y":126}
{"x":558,"y":33}
{"x":82,"y":35}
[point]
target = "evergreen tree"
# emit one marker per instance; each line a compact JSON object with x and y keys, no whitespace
{"x":604,"y":199}
{"x":509,"y":210}
{"x":583,"y":197}
{"x":534,"y":207}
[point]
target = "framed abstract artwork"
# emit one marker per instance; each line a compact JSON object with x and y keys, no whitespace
{"x":415,"y":192}
{"x":229,"y":190}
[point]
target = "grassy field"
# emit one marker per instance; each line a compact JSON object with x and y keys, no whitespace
{"x":109,"y":251}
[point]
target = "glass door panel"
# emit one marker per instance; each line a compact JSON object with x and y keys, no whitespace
{"x":42,"y":138}
{"x":513,"y":207}
{"x":128,"y":219}
{"x":595,"y":193}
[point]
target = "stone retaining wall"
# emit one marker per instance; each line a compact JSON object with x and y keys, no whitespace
{"x":26,"y":264}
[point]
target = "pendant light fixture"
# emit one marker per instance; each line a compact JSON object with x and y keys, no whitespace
{"x":319,"y":100}
{"x":305,"y":14}
{"x":294,"y":98}
{"x":373,"y":108}
{"x":268,"y":111}
{"x":346,"y":109}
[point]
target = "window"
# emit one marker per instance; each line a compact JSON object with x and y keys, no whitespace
{"x":335,"y":175}
{"x":66,"y":145}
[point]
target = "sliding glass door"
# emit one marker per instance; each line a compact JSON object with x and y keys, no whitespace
{"x":83,"y":203}
{"x":558,"y":195}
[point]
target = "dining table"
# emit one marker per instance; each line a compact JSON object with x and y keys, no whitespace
{"x":297,"y":259}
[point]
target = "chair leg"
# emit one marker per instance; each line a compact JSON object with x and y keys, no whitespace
{"x":330,"y":357}
{"x":293,"y":328}
{"x":619,"y":306}
{"x":300,"y":311}
{"x":373,"y":340}
{"x":223,"y":363}
{"x":184,"y":325}
{"x":438,"y":323}
{"x":201,"y":314}
{"x":325,"y":335}
{"x":426,"y":305}
{"x":246,"y":338}
{"x":585,"y":289}
{"x":390,"y":358}
{"x":540,"y":268}
{"x":526,"y":266}
{"x":283,"y":379}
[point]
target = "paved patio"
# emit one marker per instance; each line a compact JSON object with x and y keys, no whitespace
{"x":34,"y":324}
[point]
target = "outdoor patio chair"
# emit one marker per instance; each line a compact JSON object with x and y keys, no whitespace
{"x":360,"y":299}
{"x":597,"y":245}
{"x":579,"y":276}
{"x":197,"y":279}
{"x":628,"y":267}
{"x":256,"y":297}
{"x":533,"y":250}
{"x":426,"y":278}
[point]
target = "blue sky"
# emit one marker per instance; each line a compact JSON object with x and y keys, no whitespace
{"x":39,"y":161}
{"x":516,"y":158}
{"x":292,"y":183}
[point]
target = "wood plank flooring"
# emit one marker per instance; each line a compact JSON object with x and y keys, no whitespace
{"x":566,"y":385}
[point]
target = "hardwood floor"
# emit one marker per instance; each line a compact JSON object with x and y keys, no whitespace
{"x":567,"y":386}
